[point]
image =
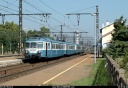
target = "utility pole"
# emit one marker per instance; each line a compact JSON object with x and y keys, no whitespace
{"x":74,"y":37}
{"x":61,"y":34}
{"x":97,"y":25}
{"x":20,"y":23}
{"x":20,"y":27}
{"x":97,"y":31}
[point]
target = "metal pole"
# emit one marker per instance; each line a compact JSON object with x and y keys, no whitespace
{"x":74,"y":37}
{"x":61,"y":33}
{"x":97,"y":30}
{"x":20,"y":27}
{"x":95,"y":40}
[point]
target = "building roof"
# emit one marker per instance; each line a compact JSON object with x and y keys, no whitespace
{"x":105,"y":27}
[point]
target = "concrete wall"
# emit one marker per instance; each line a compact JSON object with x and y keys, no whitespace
{"x":116,"y":73}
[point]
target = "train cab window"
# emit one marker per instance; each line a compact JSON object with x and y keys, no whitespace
{"x":27,"y":44}
{"x":33,"y":45}
{"x":40,"y":45}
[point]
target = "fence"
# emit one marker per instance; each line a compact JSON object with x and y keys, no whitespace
{"x":116,"y":73}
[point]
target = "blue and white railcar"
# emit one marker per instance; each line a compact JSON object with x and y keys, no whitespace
{"x":63,"y":48}
{"x":36,"y":47}
{"x":78,"y":48}
{"x":41,"y":47}
{"x":55,"y":49}
{"x":70,"y":49}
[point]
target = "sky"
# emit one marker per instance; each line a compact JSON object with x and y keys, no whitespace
{"x":109,"y":10}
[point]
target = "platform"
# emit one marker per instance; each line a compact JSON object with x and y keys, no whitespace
{"x":7,"y":60}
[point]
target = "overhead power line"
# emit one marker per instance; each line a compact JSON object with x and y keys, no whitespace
{"x":85,"y":9}
{"x":51,"y":8}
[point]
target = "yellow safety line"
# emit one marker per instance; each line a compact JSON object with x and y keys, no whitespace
{"x":63,"y":71}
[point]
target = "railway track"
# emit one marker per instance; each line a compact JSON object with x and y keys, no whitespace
{"x":11,"y":72}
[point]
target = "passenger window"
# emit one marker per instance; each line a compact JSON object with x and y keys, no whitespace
{"x":63,"y":46}
{"x":57,"y":46}
{"x":40,"y":45}
{"x":48,"y":45}
{"x":53,"y":46}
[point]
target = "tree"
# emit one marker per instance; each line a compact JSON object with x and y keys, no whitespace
{"x":45,"y":31}
{"x":119,"y":45}
{"x":9,"y":36}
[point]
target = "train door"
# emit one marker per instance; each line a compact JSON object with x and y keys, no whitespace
{"x":66,"y":49}
{"x":46,"y":49}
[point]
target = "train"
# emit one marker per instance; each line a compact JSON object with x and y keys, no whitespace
{"x":46,"y":48}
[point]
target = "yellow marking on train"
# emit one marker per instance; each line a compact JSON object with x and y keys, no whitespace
{"x":63,"y":71}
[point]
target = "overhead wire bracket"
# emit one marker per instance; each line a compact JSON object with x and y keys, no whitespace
{"x":78,"y":19}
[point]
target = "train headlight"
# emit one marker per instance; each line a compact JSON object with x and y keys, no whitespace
{"x":26,"y":51}
{"x":38,"y":52}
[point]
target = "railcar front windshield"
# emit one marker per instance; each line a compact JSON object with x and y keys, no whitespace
{"x":27,"y":44}
{"x":33,"y":45}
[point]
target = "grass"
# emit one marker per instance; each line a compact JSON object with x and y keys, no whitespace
{"x":102,"y":77}
{"x":98,"y":77}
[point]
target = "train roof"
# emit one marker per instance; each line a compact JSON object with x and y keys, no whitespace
{"x":41,"y":39}
{"x":38,"y":39}
{"x":46,"y":39}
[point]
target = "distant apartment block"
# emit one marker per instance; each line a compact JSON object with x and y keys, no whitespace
{"x":106,"y":34}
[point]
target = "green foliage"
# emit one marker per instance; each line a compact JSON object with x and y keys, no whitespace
{"x":9,"y":37}
{"x":102,"y":77}
{"x":119,"y":45}
{"x":43,"y":32}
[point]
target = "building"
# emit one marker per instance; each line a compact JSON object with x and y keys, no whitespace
{"x":106,"y":32}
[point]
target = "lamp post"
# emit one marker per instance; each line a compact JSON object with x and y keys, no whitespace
{"x":96,"y":25}
{"x":94,"y":38}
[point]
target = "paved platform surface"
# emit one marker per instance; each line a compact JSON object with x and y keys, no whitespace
{"x":59,"y":74}
{"x":7,"y":60}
